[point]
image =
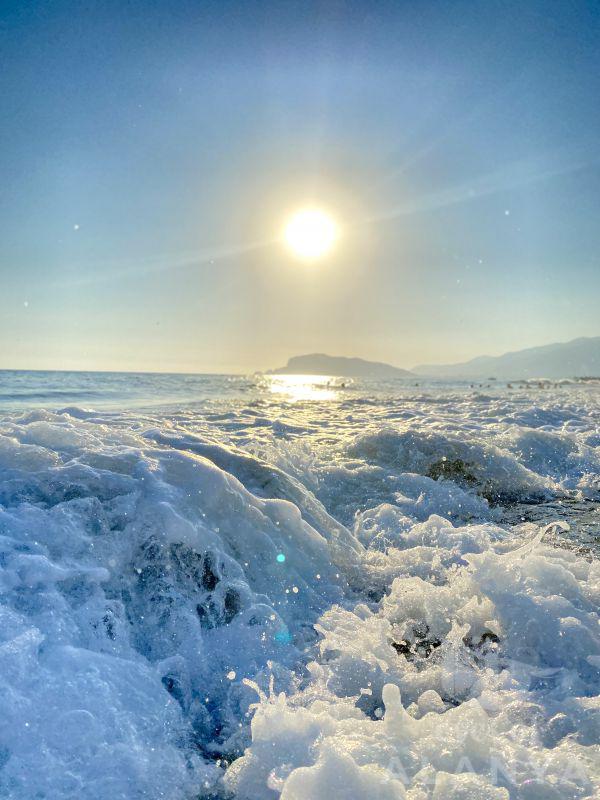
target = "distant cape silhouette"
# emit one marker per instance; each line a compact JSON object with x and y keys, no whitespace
{"x":575,"y":359}
{"x":322,"y":364}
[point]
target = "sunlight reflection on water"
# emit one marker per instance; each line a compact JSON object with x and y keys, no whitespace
{"x":306,"y":387}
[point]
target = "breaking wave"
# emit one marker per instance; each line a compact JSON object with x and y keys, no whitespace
{"x":195,"y":610}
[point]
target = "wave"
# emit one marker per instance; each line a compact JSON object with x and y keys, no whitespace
{"x":183,"y":618}
{"x":494,"y":473}
{"x":48,"y":395}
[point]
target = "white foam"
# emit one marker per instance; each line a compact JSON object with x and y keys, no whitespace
{"x":391,"y":628}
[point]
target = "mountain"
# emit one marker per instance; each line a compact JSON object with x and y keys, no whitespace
{"x":577,"y":358}
{"x":321,"y":364}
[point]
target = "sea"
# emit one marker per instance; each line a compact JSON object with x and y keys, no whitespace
{"x":298,"y":587}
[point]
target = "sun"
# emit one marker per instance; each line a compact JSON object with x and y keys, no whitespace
{"x":310,"y":233}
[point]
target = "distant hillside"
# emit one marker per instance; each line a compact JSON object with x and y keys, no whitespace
{"x":578,"y":358}
{"x":321,"y":364}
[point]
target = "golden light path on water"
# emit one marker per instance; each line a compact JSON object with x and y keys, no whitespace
{"x":306,"y":387}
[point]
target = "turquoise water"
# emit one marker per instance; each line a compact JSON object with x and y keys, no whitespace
{"x":120,"y":390}
{"x":20,"y":389}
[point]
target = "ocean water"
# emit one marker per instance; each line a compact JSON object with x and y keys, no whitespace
{"x":261,"y":587}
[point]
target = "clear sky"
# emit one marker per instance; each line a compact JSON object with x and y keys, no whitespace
{"x":150,"y":153}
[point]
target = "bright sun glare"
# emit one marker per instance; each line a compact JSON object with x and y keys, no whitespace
{"x":310,"y":233}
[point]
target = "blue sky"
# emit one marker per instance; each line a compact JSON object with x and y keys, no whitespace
{"x":150,"y":153}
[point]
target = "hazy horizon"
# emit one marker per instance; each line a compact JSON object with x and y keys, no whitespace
{"x":242,"y":373}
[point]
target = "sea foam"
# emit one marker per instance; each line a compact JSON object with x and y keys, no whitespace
{"x":315,"y":607}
